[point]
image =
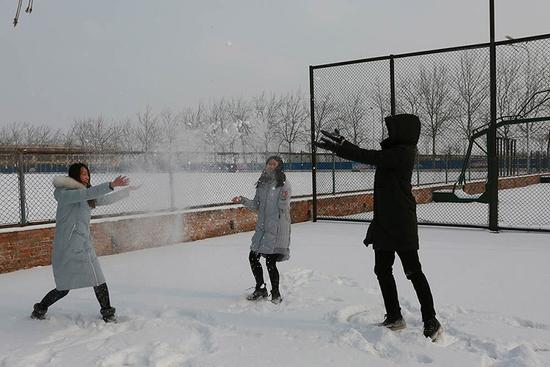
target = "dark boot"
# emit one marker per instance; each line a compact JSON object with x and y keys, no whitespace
{"x":102,"y":295}
{"x":259,"y":292}
{"x":276,"y":296}
{"x":393,"y":322}
{"x":40,"y":309}
{"x":39,"y":312}
{"x":108,"y":314}
{"x":432,"y":329}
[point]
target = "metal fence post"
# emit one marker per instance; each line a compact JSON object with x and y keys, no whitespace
{"x":313,"y":148}
{"x":446,"y":168}
{"x":22,"y":199}
{"x":171,"y":182}
{"x":492,"y":179}
{"x":392,"y":85}
{"x":333,"y":173}
{"x":417,"y":170}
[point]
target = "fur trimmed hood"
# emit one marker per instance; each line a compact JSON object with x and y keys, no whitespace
{"x":66,"y":182}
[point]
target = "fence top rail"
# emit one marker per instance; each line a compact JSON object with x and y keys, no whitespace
{"x":17,"y":149}
{"x":434,"y":51}
{"x":21,"y":149}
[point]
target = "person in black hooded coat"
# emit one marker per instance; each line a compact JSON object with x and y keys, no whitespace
{"x":394,"y":228}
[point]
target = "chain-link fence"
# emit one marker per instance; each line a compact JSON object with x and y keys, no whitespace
{"x":449,"y":90}
{"x":166,"y":181}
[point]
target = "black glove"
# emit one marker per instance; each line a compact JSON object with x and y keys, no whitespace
{"x":330,"y":141}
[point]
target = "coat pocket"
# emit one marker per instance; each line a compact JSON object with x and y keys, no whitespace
{"x":78,"y":248}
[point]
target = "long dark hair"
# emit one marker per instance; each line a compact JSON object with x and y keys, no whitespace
{"x":74,"y":173}
{"x":280,"y":176}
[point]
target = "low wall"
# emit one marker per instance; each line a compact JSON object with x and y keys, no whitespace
{"x":27,"y":247}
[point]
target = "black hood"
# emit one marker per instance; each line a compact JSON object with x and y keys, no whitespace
{"x":403,"y":129}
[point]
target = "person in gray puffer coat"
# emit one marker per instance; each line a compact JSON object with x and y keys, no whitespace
{"x":271,"y":238}
{"x":74,"y":261}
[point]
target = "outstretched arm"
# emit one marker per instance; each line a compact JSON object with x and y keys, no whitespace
{"x":352,"y":152}
{"x":113,"y":197}
{"x":91,"y":193}
{"x":64,"y":196}
{"x":344,"y":149}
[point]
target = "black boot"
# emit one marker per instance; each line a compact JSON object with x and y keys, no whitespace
{"x":39,"y":312}
{"x":432,"y":329}
{"x":276,"y":296}
{"x":108,"y":314}
{"x":393,"y":322}
{"x":259,"y":292}
{"x":102,"y":294}
{"x":40,"y":309}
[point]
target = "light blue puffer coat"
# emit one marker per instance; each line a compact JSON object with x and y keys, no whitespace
{"x":272,"y":235}
{"x":74,"y":261}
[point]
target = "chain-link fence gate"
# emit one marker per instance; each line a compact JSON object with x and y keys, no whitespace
{"x":449,"y":90}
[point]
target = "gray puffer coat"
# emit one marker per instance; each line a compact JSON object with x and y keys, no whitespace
{"x":272,"y":235}
{"x":74,"y":261}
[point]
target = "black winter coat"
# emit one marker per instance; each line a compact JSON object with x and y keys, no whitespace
{"x":394,"y":226}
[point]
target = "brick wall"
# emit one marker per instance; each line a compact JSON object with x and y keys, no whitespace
{"x":25,"y":249}
{"x":31,"y":246}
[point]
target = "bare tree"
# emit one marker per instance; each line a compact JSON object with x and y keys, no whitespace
{"x":509,"y":97}
{"x":217,"y":132}
{"x":381,"y":99}
{"x":266,"y":110}
{"x":436,"y":102}
{"x":125,"y":135}
{"x":12,"y":134}
{"x":192,"y":118}
{"x":353,"y":113}
{"x":28,"y":134}
{"x":535,"y":77}
{"x":45,"y":135}
{"x":409,"y":96}
{"x":57,"y":137}
{"x":472,"y":93}
{"x":326,"y":112}
{"x":170,"y":127}
{"x":293,"y":115}
{"x":147,"y":130}
{"x":240,"y":115}
{"x":191,"y":125}
{"x":93,"y":133}
{"x":67,"y":138}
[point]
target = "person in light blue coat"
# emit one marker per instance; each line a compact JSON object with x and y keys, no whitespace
{"x":74,"y":261}
{"x":271,"y":238}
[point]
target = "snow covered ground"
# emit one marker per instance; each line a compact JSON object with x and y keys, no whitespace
{"x":184,"y":305}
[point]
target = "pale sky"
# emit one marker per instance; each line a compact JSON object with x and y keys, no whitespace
{"x":82,"y":58}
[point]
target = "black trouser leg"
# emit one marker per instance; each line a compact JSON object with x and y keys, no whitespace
{"x":271,"y":263}
{"x":383,"y":263}
{"x":257,"y":271}
{"x":102,"y":295}
{"x":413,"y":271}
{"x":53,"y":296}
